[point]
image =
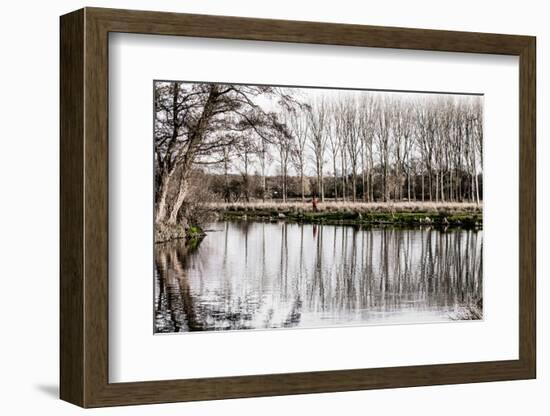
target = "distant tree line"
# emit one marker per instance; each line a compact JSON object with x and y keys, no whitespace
{"x":258,"y":142}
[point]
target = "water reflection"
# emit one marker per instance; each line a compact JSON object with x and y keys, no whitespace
{"x":249,"y":275}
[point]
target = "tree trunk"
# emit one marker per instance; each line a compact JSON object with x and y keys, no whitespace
{"x":459,"y":179}
{"x":284,"y":182}
{"x":436,"y":186}
{"x":430,"y":184}
{"x":371,"y":180}
{"x":422,"y":187}
{"x":366,"y":196}
{"x":322,"y":185}
{"x":178,"y":202}
{"x":302,"y":183}
{"x":472,"y":187}
{"x":318,"y":178}
{"x":264,"y":185}
{"x":335,"y":179}
{"x":402,"y":183}
{"x":477,"y":189}
{"x":162,"y":204}
{"x":414,"y":186}
{"x":385,"y":182}
{"x":227,"y":196}
{"x":354,"y":185}
{"x":442,"y":177}
{"x":451,"y":185}
{"x":408,"y":185}
{"x":245,"y":178}
{"x":363,"y":182}
{"x":343,"y":177}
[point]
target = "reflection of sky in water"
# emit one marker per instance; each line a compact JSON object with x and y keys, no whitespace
{"x":249,"y":275}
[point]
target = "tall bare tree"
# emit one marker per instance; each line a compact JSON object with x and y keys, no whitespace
{"x":334,"y":144}
{"x":426,"y":124}
{"x":284,"y":144}
{"x":403,"y":122}
{"x":317,"y":119}
{"x":474,"y":135}
{"x":299,"y":129}
{"x":366,"y":128}
{"x":383,"y":140}
{"x":350,"y":128}
{"x":246,"y":148}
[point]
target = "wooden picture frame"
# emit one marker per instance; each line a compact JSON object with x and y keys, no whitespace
{"x":84,"y":207}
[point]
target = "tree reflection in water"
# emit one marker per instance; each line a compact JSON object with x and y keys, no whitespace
{"x":250,"y":275}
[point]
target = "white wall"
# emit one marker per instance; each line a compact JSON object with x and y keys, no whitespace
{"x":29,"y":207}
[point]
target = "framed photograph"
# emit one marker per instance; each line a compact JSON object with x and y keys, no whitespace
{"x":260,"y":207}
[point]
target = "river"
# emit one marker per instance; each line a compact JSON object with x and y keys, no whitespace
{"x":256,"y":275}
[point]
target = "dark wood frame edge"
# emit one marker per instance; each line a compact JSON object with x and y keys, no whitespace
{"x":84,"y":207}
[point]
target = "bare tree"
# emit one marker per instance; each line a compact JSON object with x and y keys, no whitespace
{"x":334,"y":144}
{"x":474,"y":137}
{"x":426,"y":124}
{"x":188,"y":121}
{"x":448,"y":127}
{"x":265,"y":160}
{"x":478,"y":139}
{"x":341,"y":145}
{"x":403,"y":122}
{"x":299,"y":130}
{"x":366,"y":128}
{"x":440,"y":145}
{"x":284,"y":144}
{"x":226,"y":157}
{"x":246,"y":148}
{"x":350,"y":128}
{"x":317,"y":119}
{"x":383,"y":136}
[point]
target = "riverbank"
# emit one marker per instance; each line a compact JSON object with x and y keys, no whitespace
{"x":463,"y":215}
{"x":170,"y":232}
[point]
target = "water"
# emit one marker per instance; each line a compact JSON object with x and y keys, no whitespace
{"x":252,"y":275}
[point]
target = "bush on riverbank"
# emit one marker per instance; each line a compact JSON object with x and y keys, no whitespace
{"x":194,"y":236}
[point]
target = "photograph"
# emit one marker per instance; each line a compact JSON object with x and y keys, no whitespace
{"x":246,"y":205}
{"x":280,"y":207}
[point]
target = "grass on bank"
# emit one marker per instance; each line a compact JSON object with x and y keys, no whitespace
{"x":401,"y":213}
{"x":348,"y":206}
